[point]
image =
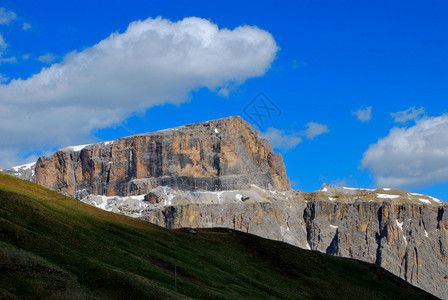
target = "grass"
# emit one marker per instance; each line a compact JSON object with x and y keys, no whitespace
{"x":52,"y":246}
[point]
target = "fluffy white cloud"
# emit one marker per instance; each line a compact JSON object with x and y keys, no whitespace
{"x":6,"y":16}
{"x":47,"y":58}
{"x":26,"y":26}
{"x":415,"y":156}
{"x":279,"y":139}
{"x":314,"y":129}
{"x":363,"y":114}
{"x":407,"y":115}
{"x":153,"y":62}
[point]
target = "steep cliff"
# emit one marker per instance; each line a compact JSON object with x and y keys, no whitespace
{"x":405,"y":233}
{"x":224,"y":154}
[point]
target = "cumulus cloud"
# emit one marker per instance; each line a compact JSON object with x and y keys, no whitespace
{"x":281,"y":140}
{"x":314,"y":129}
{"x":411,"y":157}
{"x":47,"y":58}
{"x":153,"y":62}
{"x":26,"y":26}
{"x":363,"y":114}
{"x":6,"y":16}
{"x":2,"y":43}
{"x":408,"y":114}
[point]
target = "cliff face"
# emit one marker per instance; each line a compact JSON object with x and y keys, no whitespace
{"x":404,"y":233}
{"x":224,"y":154}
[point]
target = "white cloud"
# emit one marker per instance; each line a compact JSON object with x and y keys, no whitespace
{"x":47,"y":58}
{"x":314,"y":129}
{"x":26,"y":26}
{"x":407,"y":115}
{"x":279,"y":139}
{"x":11,"y":59}
{"x":363,"y":114}
{"x":415,"y":156}
{"x":3,"y":44}
{"x":6,"y":16}
{"x":153,"y":62}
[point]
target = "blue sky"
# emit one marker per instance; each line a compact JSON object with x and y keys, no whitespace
{"x":362,"y":86}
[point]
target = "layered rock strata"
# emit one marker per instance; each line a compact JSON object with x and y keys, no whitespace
{"x":224,"y":154}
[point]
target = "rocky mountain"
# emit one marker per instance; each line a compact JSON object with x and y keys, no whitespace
{"x":224,"y":154}
{"x":223,"y":174}
{"x":25,"y":172}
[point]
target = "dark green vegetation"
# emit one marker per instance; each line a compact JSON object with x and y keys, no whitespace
{"x":48,"y":240}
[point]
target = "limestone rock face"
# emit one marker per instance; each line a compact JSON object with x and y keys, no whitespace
{"x":405,"y":233}
{"x":224,"y":154}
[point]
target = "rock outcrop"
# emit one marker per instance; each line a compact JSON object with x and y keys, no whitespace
{"x":405,"y":233}
{"x":25,"y":172}
{"x":223,"y":174}
{"x":224,"y":154}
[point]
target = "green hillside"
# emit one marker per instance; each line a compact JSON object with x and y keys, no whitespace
{"x":55,"y":247}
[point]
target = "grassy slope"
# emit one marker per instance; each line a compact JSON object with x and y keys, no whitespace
{"x":44,"y":237}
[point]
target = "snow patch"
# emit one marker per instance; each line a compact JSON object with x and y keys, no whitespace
{"x":76,"y":148}
{"x":139,"y":197}
{"x":331,"y":199}
{"x":387,"y":196}
{"x":324,"y":189}
{"x":108,"y":143}
{"x":238,"y":197}
{"x":334,"y":226}
{"x":169,"y":196}
{"x":216,"y":130}
{"x":416,"y":194}
{"x":399,"y":224}
{"x":24,"y":167}
{"x":435,"y":199}
{"x":386,"y":189}
{"x":426,"y":233}
{"x":425,"y":201}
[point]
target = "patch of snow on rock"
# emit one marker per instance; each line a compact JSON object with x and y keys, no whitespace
{"x":435,"y":199}
{"x":425,"y":201}
{"x":24,"y":167}
{"x":387,"y":196}
{"x":399,"y":224}
{"x":76,"y":148}
{"x":334,"y":226}
{"x":331,"y":199}
{"x":416,"y":194}
{"x":239,"y":197}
